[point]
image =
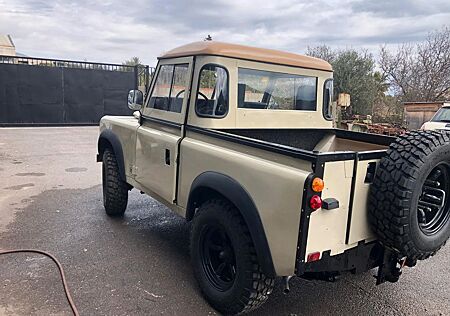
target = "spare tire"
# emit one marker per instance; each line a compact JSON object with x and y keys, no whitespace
{"x":409,"y":198}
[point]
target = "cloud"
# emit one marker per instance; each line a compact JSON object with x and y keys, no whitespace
{"x":402,"y":8}
{"x":113,"y":31}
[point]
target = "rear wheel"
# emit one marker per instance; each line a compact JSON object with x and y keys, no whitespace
{"x":224,"y":260}
{"x":115,"y":190}
{"x":409,"y":204}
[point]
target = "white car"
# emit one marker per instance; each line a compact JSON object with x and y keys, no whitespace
{"x":441,"y":120}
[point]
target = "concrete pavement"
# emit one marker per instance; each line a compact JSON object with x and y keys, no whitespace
{"x":51,"y":199}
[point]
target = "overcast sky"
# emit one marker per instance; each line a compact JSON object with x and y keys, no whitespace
{"x":113,"y":31}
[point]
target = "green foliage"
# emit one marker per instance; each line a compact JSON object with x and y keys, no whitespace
{"x":354,"y":73}
{"x":208,"y":78}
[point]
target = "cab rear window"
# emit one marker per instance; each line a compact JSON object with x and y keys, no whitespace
{"x":258,"y":89}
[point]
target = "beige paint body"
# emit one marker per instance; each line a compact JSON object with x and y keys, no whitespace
{"x":274,"y":181}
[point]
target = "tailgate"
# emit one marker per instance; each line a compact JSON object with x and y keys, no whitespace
{"x":358,"y":225}
{"x":342,"y":228}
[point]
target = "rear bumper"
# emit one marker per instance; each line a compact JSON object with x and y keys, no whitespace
{"x":359,"y":259}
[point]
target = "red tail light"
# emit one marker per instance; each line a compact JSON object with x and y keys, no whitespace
{"x":313,"y":256}
{"x":315,"y":202}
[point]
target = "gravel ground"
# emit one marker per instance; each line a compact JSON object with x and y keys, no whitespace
{"x":50,"y":198}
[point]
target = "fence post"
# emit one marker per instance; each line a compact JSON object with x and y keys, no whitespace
{"x":147,"y":77}
{"x":136,"y":77}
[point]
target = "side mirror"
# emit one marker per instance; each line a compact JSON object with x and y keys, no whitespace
{"x":135,"y":100}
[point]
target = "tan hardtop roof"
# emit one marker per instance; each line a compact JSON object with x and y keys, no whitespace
{"x":248,"y":53}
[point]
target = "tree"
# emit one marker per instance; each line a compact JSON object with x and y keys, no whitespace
{"x":386,"y":108}
{"x":323,"y":52}
{"x":420,"y":72}
{"x":133,"y":61}
{"x":353,"y":74}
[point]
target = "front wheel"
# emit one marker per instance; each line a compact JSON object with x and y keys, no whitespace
{"x":224,"y":260}
{"x":115,"y":190}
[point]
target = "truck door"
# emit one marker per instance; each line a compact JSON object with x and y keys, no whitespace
{"x":161,"y":130}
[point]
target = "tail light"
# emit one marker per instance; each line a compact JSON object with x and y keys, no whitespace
{"x":313,"y":256}
{"x":315,"y":202}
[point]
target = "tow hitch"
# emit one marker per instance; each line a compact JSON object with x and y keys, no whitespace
{"x":391,"y":268}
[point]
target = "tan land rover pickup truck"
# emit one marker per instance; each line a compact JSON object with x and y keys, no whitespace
{"x":239,"y":140}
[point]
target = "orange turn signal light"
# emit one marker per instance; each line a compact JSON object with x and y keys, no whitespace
{"x":317,"y":185}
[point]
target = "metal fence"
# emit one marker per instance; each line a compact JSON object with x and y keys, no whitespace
{"x":54,"y":91}
{"x":143,"y":72}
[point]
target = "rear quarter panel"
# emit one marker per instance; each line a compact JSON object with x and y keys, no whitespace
{"x":274,"y":182}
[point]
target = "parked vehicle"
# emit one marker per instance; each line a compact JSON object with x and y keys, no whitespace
{"x":239,"y":140}
{"x":441,"y":120}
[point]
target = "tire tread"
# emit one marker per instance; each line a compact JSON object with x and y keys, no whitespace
{"x":115,"y":189}
{"x":259,"y":286}
{"x":392,"y":188}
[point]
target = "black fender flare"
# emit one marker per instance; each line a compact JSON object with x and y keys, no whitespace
{"x":106,"y":139}
{"x":236,"y":194}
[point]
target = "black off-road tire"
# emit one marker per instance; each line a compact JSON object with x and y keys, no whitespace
{"x":397,"y":187}
{"x":115,"y":190}
{"x":251,"y":287}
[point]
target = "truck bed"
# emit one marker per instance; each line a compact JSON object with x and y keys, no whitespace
{"x":345,"y":160}
{"x":318,"y":140}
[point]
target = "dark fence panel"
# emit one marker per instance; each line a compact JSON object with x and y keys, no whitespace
{"x":88,"y":94}
{"x":49,"y":93}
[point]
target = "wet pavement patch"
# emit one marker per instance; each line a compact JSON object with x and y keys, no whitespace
{"x":76,"y":169}
{"x":31,"y":174}
{"x":109,"y":266}
{"x":20,"y":186}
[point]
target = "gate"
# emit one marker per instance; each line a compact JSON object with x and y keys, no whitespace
{"x":36,"y":91}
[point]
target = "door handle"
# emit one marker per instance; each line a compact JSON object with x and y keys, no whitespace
{"x":167,"y":157}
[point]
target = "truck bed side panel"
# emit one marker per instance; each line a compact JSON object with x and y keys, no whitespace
{"x":276,"y":188}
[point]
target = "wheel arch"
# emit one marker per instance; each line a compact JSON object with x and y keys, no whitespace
{"x":213,"y":184}
{"x":108,"y":139}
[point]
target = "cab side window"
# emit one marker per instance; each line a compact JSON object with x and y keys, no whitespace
{"x":327,"y":99}
{"x":170,"y":88}
{"x":212,"y":95}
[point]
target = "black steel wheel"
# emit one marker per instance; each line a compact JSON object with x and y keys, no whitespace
{"x":433,"y":207}
{"x":224,"y":260}
{"x":409,"y":207}
{"x":217,"y":255}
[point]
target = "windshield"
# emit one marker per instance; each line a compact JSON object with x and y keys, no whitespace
{"x":258,"y":89}
{"x":442,"y":115}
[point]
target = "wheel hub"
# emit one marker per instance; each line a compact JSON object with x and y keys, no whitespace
{"x":433,"y":207}
{"x":218,"y":259}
